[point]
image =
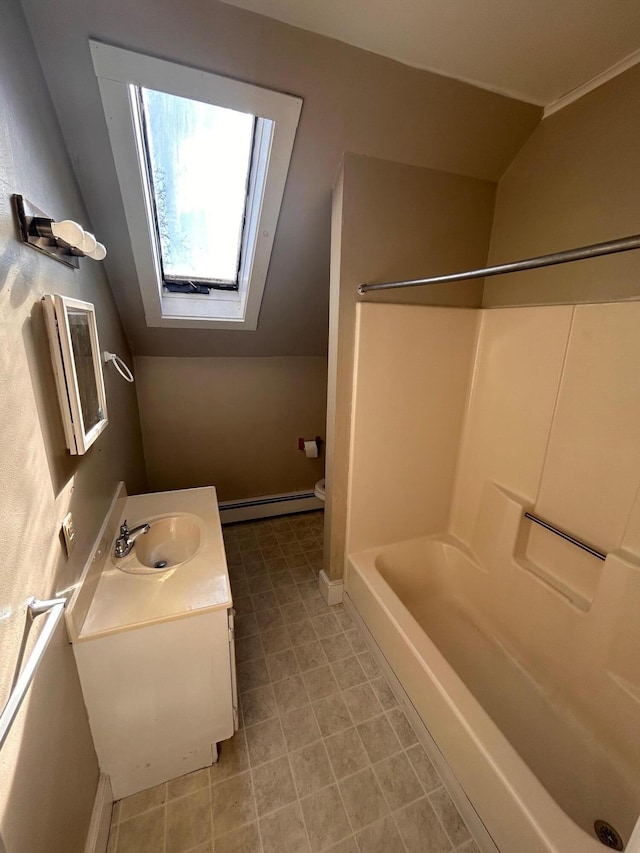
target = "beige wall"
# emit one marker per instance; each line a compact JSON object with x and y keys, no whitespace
{"x":231,"y":422}
{"x":576,"y":181}
{"x":391,"y":221}
{"x":412,"y":371}
{"x":353,"y":100}
{"x":48,"y":768}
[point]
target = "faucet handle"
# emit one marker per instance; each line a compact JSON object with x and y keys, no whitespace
{"x":124,"y":530}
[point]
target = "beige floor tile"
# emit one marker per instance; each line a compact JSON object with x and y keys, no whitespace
{"x":245,"y":625}
{"x":384,"y":693}
{"x":310,"y":656}
{"x":188,"y":821}
{"x":276,"y":640}
{"x":264,"y":600}
{"x":348,"y":672}
{"x":398,"y":781}
{"x":325,"y":818}
{"x":362,"y":702}
{"x":188,"y":784}
{"x":273,"y":785}
{"x":283,"y":579}
{"x":142,"y":834}
{"x":301,"y":632}
{"x":289,"y":594}
{"x":342,"y":616}
{"x":346,"y":753}
{"x":402,"y":727}
{"x":252,"y":674}
{"x":469,"y":847}
{"x":232,"y":758}
{"x":453,"y":824}
{"x":265,"y":741}
{"x":246,"y":839}
{"x":355,"y":639}
{"x":363,"y":799}
{"x":259,"y":705}
{"x":325,"y":625}
{"x":232,"y":804}
{"x":336,"y":647}
{"x":348,"y":846}
{"x":420,"y":829}
{"x":284,"y":831}
{"x":309,"y":590}
{"x":380,"y":837}
{"x":292,"y":613}
{"x":332,"y":714}
{"x":427,"y":774}
{"x":311,"y":768}
{"x":143,"y":801}
{"x":268,"y":619}
{"x":368,"y":664}
{"x":249,"y":648}
{"x":290,"y":693}
{"x":378,"y":738}
{"x":300,"y":727}
{"x":320,"y":683}
{"x":282,"y":665}
{"x":315,"y":606}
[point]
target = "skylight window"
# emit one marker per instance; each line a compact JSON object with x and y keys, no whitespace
{"x":202,"y":163}
{"x":199,"y":157}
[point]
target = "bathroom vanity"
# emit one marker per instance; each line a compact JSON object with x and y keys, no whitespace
{"x":154,"y":646}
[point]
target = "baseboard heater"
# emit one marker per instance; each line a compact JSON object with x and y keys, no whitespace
{"x":268,"y":506}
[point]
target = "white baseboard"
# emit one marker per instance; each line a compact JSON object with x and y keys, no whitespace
{"x":330,"y":590}
{"x":98,"y":835}
{"x":267,"y":506}
{"x":455,"y":790}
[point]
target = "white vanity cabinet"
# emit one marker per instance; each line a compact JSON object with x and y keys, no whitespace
{"x":159,"y":698}
{"x":155,"y":653}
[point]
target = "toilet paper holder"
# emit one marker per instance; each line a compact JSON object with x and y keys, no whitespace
{"x":317,"y":440}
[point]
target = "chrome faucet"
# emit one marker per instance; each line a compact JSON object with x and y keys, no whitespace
{"x":127,"y":538}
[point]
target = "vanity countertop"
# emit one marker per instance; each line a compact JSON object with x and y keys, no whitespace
{"x":123,"y":601}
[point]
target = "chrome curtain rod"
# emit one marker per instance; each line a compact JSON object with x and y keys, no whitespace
{"x":54,"y":607}
{"x":565,"y":536}
{"x":611,"y":247}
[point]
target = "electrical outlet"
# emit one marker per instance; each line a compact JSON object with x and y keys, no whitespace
{"x":68,"y":533}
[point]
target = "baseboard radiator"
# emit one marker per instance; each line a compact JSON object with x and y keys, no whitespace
{"x":268,"y":506}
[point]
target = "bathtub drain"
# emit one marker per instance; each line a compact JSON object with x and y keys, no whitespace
{"x":608,"y":835}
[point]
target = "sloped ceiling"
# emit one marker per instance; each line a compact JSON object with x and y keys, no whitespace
{"x":533,"y":50}
{"x":353,"y":100}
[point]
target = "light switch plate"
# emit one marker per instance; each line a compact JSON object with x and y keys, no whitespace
{"x":68,"y":533}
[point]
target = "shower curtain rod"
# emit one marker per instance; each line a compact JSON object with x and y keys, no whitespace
{"x":624,"y":244}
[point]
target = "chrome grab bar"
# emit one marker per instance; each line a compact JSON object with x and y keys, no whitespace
{"x":54,"y":607}
{"x":565,"y":536}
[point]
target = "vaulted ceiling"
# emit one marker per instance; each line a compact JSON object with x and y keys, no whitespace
{"x":369,"y":101}
{"x":534,"y":50}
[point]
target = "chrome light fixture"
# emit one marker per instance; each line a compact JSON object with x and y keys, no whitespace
{"x":63,"y":240}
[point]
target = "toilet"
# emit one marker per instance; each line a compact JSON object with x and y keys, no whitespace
{"x":318,"y":490}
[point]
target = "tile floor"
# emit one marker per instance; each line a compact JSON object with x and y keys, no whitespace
{"x":325,"y":759}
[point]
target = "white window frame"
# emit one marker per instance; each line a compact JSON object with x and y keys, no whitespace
{"x":119,"y":73}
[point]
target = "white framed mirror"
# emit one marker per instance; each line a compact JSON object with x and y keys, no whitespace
{"x":75,"y":353}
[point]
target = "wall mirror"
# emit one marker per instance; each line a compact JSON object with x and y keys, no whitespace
{"x":75,"y":353}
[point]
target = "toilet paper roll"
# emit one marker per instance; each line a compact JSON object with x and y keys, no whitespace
{"x":311,"y":449}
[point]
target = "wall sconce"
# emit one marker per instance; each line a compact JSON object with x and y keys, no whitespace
{"x":65,"y":241}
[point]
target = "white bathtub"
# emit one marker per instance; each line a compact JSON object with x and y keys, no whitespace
{"x":537,"y":776}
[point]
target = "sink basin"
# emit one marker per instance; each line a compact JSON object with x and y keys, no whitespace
{"x":171,"y":541}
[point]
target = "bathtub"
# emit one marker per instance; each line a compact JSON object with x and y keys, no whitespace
{"x":534,"y":771}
